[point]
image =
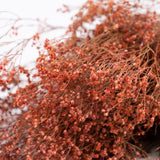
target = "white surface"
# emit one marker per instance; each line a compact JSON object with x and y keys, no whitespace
{"x":39,"y":9}
{"x":45,"y":10}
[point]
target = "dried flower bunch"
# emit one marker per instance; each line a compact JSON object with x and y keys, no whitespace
{"x":95,"y":94}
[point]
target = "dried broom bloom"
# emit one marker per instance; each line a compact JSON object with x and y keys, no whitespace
{"x":92,"y":99}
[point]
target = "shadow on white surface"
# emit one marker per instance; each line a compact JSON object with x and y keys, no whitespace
{"x":151,"y":143}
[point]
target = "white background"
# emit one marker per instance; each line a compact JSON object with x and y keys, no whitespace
{"x":45,"y":10}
